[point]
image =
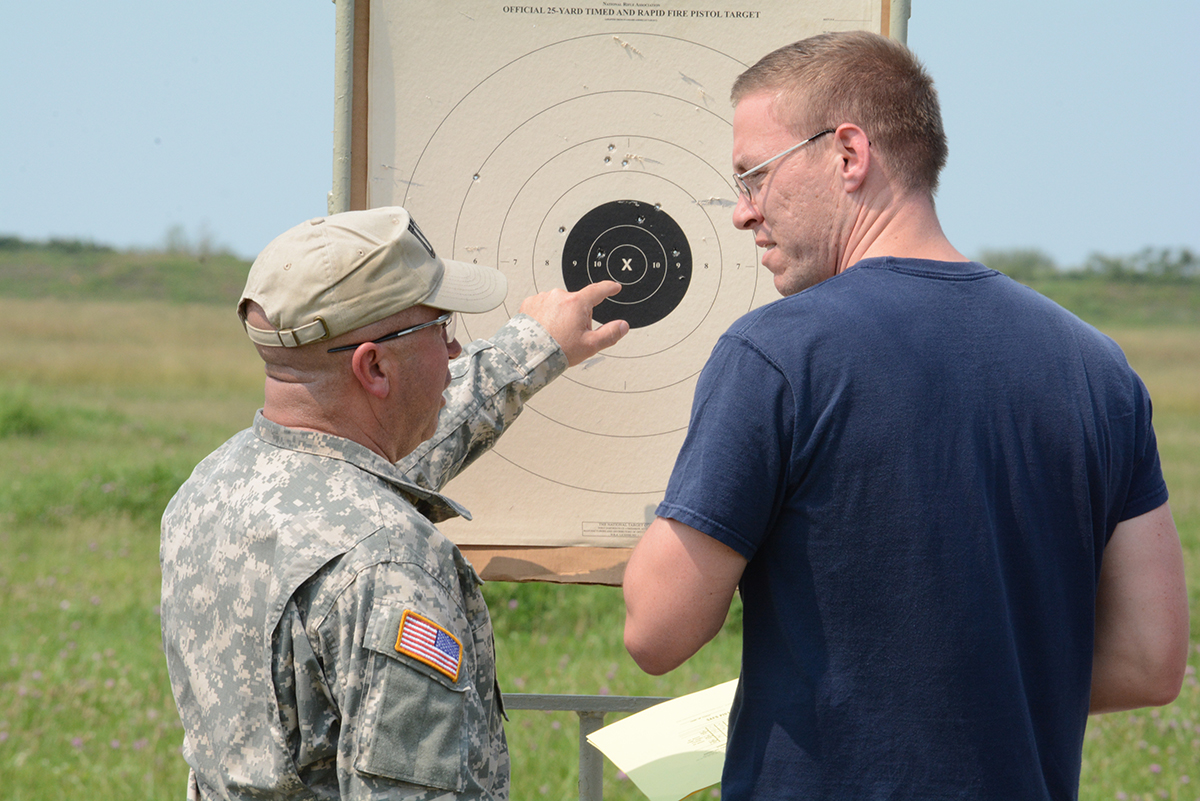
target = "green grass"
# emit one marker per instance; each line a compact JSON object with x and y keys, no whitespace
{"x":1144,"y":303}
{"x":106,"y":405}
{"x":84,"y":271}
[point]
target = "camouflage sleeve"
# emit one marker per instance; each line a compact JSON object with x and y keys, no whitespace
{"x":374,"y":716}
{"x":492,"y":381}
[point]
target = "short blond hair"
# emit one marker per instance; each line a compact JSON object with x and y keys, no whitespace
{"x":865,"y":79}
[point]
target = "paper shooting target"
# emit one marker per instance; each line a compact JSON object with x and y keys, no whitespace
{"x":565,"y":146}
{"x":592,"y":159}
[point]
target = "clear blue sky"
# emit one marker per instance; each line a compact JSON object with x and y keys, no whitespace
{"x":1073,"y":125}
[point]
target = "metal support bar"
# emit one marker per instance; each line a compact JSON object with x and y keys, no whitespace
{"x":591,"y":710}
{"x":591,"y":763}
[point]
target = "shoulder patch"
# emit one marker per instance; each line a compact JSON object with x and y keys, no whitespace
{"x":427,"y":642}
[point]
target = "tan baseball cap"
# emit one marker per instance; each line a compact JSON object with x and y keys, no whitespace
{"x":334,"y":274}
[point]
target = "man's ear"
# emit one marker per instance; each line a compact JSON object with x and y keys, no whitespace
{"x":367,"y":365}
{"x":854,"y":150}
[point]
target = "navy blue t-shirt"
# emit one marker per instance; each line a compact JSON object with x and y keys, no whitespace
{"x":923,"y":462}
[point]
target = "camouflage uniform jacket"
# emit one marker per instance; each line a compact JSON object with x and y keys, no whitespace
{"x":323,"y":639}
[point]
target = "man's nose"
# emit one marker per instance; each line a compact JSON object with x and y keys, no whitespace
{"x":745,"y":213}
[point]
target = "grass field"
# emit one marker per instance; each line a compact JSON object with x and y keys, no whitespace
{"x":105,"y":406}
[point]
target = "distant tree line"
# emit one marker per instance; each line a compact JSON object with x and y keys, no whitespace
{"x":68,"y":246}
{"x":175,"y":242}
{"x":1157,"y":265}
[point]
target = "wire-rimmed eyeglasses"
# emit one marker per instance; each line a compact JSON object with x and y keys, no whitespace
{"x":447,"y":321}
{"x":745,"y":189}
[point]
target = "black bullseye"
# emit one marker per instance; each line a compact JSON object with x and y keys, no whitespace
{"x":638,"y":245}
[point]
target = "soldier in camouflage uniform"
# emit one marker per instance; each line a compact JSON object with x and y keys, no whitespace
{"x":323,"y":639}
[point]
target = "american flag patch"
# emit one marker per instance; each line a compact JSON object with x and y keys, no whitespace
{"x":427,"y":642}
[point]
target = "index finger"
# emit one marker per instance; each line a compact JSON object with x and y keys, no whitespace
{"x":593,"y":294}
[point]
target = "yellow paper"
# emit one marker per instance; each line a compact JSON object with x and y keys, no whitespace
{"x":675,"y":748}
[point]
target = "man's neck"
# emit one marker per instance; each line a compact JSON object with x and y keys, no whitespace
{"x":905,"y":227}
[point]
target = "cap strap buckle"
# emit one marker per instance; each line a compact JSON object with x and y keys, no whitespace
{"x":315,"y":331}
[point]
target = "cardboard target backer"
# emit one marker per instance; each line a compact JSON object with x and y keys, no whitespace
{"x":567,"y":145}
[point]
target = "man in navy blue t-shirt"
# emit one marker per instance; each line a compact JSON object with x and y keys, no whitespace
{"x":938,"y":492}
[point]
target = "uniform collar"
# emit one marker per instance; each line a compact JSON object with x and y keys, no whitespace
{"x":432,"y":505}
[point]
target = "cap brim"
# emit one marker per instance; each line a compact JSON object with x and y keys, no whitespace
{"x":470,"y":288}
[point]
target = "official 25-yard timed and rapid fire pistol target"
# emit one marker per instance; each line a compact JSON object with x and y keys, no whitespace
{"x":566,"y":145}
